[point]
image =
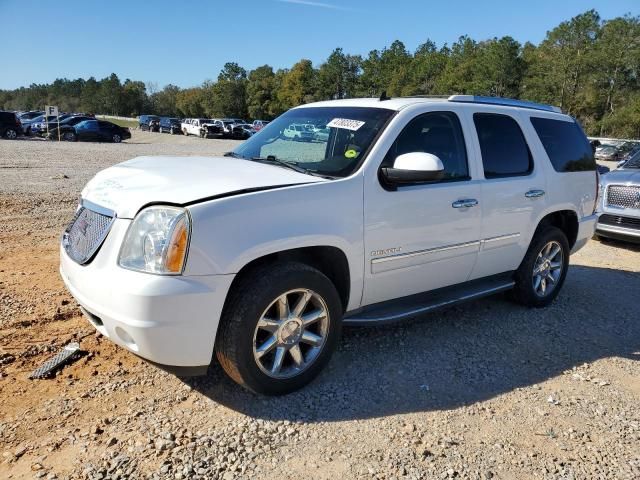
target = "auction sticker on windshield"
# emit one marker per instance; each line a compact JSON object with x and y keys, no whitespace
{"x":346,"y":123}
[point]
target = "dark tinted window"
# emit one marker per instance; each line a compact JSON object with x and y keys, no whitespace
{"x":438,"y":133}
{"x":505,"y":152}
{"x":565,"y":144}
{"x":7,"y":117}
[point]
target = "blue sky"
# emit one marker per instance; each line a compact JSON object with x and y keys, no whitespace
{"x":185,"y":41}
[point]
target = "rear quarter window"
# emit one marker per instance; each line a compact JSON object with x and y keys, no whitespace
{"x":566,"y":145}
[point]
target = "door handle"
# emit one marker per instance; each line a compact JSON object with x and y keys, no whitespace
{"x":534,"y":193}
{"x":467,"y":202}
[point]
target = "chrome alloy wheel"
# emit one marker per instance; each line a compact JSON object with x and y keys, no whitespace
{"x":291,"y":333}
{"x":547,"y":269}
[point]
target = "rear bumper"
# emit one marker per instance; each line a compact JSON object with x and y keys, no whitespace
{"x":586,"y":230}
{"x":169,"y":320}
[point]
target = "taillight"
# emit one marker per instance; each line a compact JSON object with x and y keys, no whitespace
{"x":597,"y":197}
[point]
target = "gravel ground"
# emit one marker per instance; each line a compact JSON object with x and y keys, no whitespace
{"x":484,"y":390}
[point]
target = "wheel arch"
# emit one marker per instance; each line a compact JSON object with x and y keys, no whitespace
{"x":329,"y":260}
{"x":565,"y":220}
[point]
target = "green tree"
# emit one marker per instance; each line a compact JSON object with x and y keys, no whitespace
{"x":297,"y":85}
{"x":190,"y":102}
{"x":261,"y":92}
{"x":338,"y":76}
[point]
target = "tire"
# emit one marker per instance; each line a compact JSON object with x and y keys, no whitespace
{"x":69,"y":137}
{"x":10,"y":134}
{"x":116,"y":138}
{"x":541,"y":288}
{"x":240,"y":340}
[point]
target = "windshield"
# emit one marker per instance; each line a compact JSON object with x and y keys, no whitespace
{"x":633,"y":162}
{"x":351,"y":131}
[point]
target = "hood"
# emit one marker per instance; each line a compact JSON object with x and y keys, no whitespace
{"x":623,"y":175}
{"x":127,"y":187}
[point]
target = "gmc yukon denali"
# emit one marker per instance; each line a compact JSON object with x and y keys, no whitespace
{"x":259,"y":257}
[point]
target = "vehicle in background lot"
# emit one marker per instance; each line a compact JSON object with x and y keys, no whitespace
{"x":10,"y":126}
{"x":298,"y":132}
{"x":98,"y":131}
{"x":193,"y":126}
{"x":321,"y":135}
{"x":242,"y":131}
{"x":67,"y":130}
{"x":619,"y":202}
{"x":64,"y":119}
{"x":30,"y":115}
{"x":170,"y":125}
{"x":409,"y":205}
{"x":259,"y":124}
{"x":147,"y":122}
{"x":212,"y":129}
{"x":607,"y":153}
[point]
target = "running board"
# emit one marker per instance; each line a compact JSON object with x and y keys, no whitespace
{"x":416,"y":305}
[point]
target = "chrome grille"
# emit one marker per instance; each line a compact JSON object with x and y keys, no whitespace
{"x":85,"y":234}
{"x":623,"y":196}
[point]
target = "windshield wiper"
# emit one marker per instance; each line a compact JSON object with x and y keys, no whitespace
{"x":233,"y":155}
{"x":282,"y":163}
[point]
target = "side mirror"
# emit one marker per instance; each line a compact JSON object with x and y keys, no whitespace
{"x":594,"y":144}
{"x":412,"y":168}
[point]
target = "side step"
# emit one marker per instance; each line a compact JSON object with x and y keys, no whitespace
{"x":412,"y":306}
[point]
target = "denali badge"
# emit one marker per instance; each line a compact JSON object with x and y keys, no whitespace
{"x":386,"y":251}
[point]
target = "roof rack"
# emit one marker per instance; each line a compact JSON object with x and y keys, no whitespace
{"x":509,"y":102}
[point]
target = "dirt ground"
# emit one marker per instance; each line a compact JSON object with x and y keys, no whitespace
{"x":483,"y":390}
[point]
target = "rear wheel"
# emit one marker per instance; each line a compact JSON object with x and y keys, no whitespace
{"x":279,"y":328}
{"x":543,"y":269}
{"x":11,"y":134}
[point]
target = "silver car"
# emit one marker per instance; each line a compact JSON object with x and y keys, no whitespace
{"x":619,"y":204}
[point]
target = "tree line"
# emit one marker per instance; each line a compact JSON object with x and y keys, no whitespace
{"x":588,"y":66}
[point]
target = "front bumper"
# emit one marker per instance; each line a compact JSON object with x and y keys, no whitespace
{"x":618,"y":233}
{"x":169,"y":320}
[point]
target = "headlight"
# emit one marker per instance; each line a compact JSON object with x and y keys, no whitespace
{"x":157,"y":241}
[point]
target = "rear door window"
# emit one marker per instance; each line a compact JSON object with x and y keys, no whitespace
{"x":504,"y":150}
{"x":566,"y":145}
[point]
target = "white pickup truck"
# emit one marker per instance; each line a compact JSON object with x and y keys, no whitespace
{"x":259,"y":257}
{"x":194,"y":126}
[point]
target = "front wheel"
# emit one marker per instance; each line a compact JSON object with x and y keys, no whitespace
{"x":543,"y":269}
{"x":69,"y":136}
{"x":116,"y":138}
{"x":279,"y":328}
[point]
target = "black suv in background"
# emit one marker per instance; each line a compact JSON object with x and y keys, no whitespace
{"x":10,"y":126}
{"x":171,"y":125}
{"x":149,"y":123}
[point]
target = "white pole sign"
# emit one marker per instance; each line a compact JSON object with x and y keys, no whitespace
{"x":51,"y":110}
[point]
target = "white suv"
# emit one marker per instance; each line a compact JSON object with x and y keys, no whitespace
{"x":259,"y":257}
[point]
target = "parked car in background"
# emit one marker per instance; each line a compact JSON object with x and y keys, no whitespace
{"x":259,"y":257}
{"x":98,"y":131}
{"x":212,"y":129}
{"x":321,"y":134}
{"x":23,"y":116}
{"x":242,"y":131}
{"x":628,"y":150}
{"x":259,"y":124}
{"x":619,"y":202}
{"x":66,"y":129}
{"x":607,"y":153}
{"x":10,"y":126}
{"x":170,"y":125}
{"x":298,"y":132}
{"x":39,"y":127}
{"x":147,"y":122}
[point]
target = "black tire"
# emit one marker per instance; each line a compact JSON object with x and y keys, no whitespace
{"x":116,"y":138}
{"x":525,"y":291}
{"x":69,"y":136}
{"x":10,"y":134}
{"x":249,"y":300}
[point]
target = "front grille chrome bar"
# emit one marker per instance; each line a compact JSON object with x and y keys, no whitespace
{"x":87,"y":231}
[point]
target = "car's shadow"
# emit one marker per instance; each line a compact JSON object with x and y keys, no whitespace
{"x":460,"y":356}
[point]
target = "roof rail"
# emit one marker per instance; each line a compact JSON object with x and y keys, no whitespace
{"x":509,"y":102}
